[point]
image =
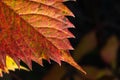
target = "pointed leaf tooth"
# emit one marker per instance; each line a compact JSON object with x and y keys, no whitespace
{"x":6,"y":70}
{"x":45,"y":56}
{"x":66,"y":21}
{"x":29,"y":63}
{"x":39,"y":61}
{"x":66,"y":57}
{"x":50,"y":61}
{"x":70,"y":34}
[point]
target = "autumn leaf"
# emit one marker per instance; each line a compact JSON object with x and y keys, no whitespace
{"x":11,"y":65}
{"x":32,"y":30}
{"x":97,"y":73}
{"x":86,"y":44}
{"x":110,"y":48}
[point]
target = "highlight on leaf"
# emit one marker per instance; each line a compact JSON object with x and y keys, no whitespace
{"x":32,"y":30}
{"x":10,"y":65}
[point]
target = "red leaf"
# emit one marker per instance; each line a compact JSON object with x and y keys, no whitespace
{"x":32,"y":30}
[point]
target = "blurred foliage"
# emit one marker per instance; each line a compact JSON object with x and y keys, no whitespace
{"x":96,"y":45}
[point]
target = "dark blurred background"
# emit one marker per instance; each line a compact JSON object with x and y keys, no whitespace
{"x":96,"y":45}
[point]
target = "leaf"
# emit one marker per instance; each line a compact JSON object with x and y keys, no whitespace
{"x":32,"y":30}
{"x":11,"y":65}
{"x":109,"y":51}
{"x":97,"y":73}
{"x":86,"y":44}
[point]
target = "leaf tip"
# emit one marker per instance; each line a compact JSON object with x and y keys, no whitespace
{"x":66,"y":57}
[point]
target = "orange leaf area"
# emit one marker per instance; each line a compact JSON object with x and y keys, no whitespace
{"x":32,"y":30}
